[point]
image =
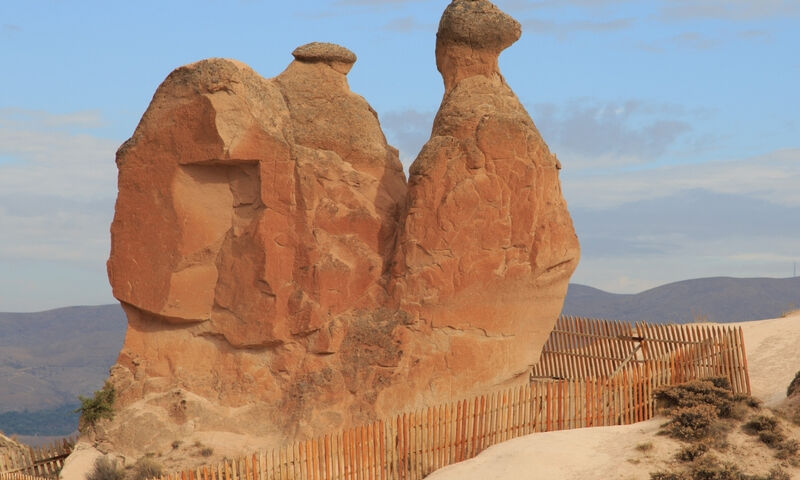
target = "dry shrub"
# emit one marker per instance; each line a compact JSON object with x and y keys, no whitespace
{"x":762,"y":423}
{"x":769,"y":431}
{"x":767,"y":428}
{"x":714,"y":391}
{"x":668,"y":476}
{"x":701,"y":410}
{"x":645,"y":447}
{"x":794,"y":387}
{"x":753,"y":402}
{"x":692,"y":452}
{"x":695,"y":406}
{"x":777,"y":473}
{"x":710,"y":468}
{"x":692,"y":423}
{"x":771,"y":439}
{"x":787,"y":449}
{"x":145,"y":468}
{"x":106,"y":469}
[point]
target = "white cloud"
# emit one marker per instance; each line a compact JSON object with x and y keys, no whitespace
{"x":590,"y":134}
{"x":632,"y":274}
{"x":57,"y":190}
{"x":760,"y":254}
{"x":756,"y":34}
{"x":728,"y":9}
{"x":57,"y":195}
{"x":773,"y":177}
{"x":408,"y":24}
{"x":658,"y":225}
{"x":55,"y":229}
{"x":690,"y":40}
{"x":532,"y":4}
{"x":17,"y":118}
{"x":562,"y":30}
{"x":54,"y":161}
{"x":694,"y":40}
{"x":372,"y":3}
{"x":407,"y":130}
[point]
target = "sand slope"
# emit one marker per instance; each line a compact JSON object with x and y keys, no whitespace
{"x":773,"y":353}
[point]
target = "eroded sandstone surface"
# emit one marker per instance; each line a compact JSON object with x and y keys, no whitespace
{"x":282,"y":279}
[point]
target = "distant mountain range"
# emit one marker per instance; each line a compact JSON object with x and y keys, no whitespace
{"x":717,"y":299}
{"x":49,"y":358}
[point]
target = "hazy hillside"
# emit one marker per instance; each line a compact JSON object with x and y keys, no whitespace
{"x":48,"y":358}
{"x":718,"y":299}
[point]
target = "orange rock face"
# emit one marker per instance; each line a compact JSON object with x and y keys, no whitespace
{"x":487,"y":246}
{"x":282,"y":279}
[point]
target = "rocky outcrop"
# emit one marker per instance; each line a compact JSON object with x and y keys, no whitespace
{"x":487,"y":245}
{"x":280,"y":277}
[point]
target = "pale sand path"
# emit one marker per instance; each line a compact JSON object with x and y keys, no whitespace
{"x":773,"y":355}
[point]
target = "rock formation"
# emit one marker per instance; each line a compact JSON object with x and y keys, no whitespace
{"x":280,"y":277}
{"x":487,"y":246}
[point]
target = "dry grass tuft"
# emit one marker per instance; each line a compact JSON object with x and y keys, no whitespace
{"x":645,"y":447}
{"x":146,"y":468}
{"x":106,"y":469}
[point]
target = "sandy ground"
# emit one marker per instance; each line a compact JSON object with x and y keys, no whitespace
{"x":773,"y":354}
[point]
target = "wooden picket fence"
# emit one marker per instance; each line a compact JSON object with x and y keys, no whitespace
{"x":592,"y":373}
{"x":22,"y":476}
{"x":587,"y":348}
{"x":32,"y":463}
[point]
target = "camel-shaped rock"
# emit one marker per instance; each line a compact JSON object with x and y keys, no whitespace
{"x":280,"y":277}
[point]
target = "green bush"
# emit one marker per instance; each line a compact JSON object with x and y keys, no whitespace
{"x":106,"y":469}
{"x":100,"y":406}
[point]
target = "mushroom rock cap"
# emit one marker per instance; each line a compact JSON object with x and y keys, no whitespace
{"x":337,"y":56}
{"x":478,"y":24}
{"x":471,"y":35}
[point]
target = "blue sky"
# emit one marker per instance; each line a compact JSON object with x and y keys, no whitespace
{"x":676,"y":121}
